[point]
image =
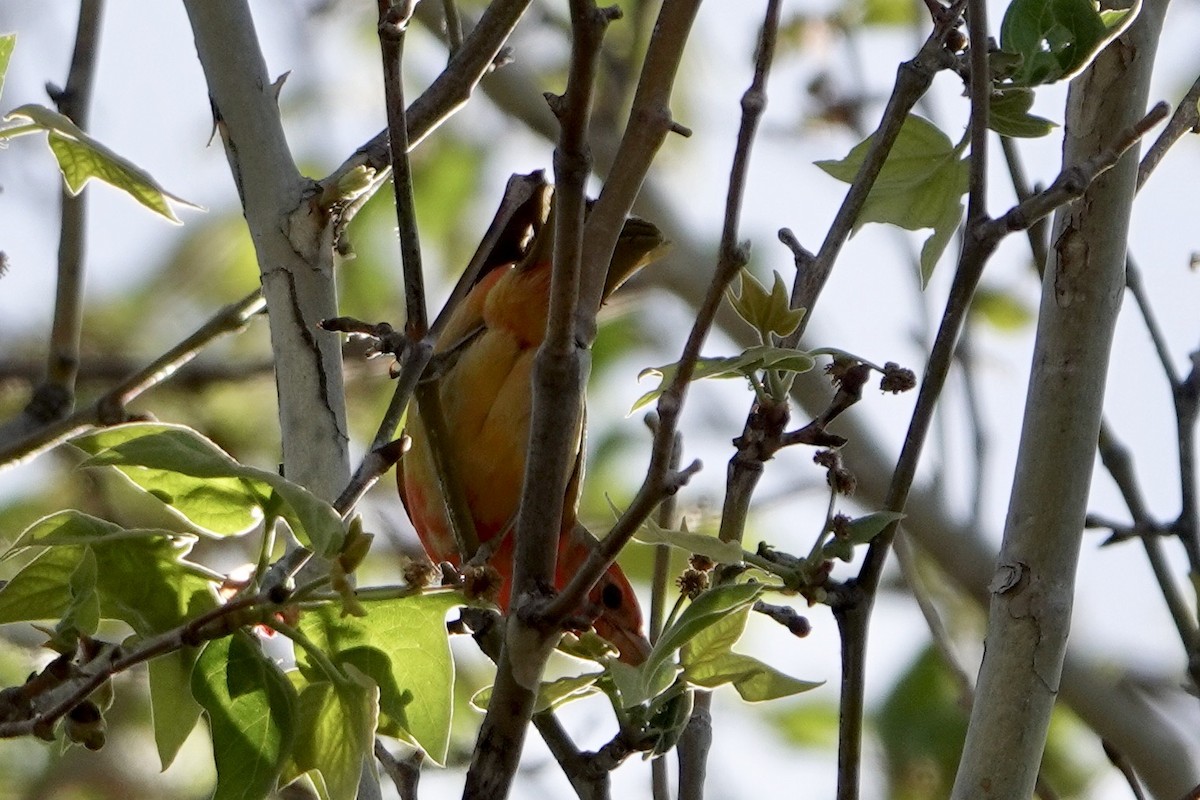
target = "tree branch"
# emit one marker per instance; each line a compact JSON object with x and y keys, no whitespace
{"x":55,"y":397}
{"x":110,"y":409}
{"x":293,"y":243}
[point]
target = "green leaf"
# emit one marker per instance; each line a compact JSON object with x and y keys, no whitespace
{"x":7,"y":42}
{"x":403,"y":646}
{"x":1008,"y":115}
{"x":1055,"y":38}
{"x":336,"y":731}
{"x":920,"y":186}
{"x":750,"y":362}
{"x":700,"y":543}
{"x":551,"y":694}
{"x":144,"y":582}
{"x":251,"y":709}
{"x":755,"y":681}
{"x":83,"y":611}
{"x":646,"y":681}
{"x":173,"y":709}
{"x":206,"y":487}
{"x":862,"y":530}
{"x":73,"y":527}
{"x":766,"y":312}
{"x":81,"y":158}
{"x":709,"y":661}
{"x":1003,"y":310}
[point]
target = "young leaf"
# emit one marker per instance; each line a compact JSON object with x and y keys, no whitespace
{"x":335,"y":732}
{"x":703,"y":544}
{"x":1008,"y":115}
{"x":862,"y":530}
{"x":251,"y":709}
{"x":402,"y":646}
{"x":83,"y":613}
{"x":173,"y":709}
{"x":766,"y":312}
{"x":709,"y":661}
{"x":754,"y":681}
{"x":205,"y":486}
{"x":551,"y":694}
{"x":81,"y":158}
{"x":920,"y":186}
{"x":646,"y":681}
{"x":7,"y":42}
{"x":73,"y":527}
{"x":751,"y":362}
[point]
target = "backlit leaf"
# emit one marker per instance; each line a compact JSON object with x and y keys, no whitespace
{"x":251,"y":710}
{"x":81,"y":158}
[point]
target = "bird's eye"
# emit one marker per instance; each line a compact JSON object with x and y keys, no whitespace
{"x":611,"y":596}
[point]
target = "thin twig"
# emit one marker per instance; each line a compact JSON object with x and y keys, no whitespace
{"x":1072,"y":181}
{"x":393,"y":24}
{"x":913,"y":79}
{"x":454,"y":34}
{"x":448,"y":92}
{"x":1118,"y":461}
{"x":660,"y":480}
{"x":112,"y":660}
{"x":404,"y":772}
{"x":659,"y":786}
{"x":558,"y":381}
{"x":55,"y":397}
{"x":111,"y":407}
{"x":1185,"y":119}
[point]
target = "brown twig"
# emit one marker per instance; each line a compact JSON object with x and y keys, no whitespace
{"x":650,"y":104}
{"x":913,"y":79}
{"x":558,"y":378}
{"x":111,"y":407}
{"x":1185,"y":119}
{"x":110,"y":660}
{"x":55,"y":397}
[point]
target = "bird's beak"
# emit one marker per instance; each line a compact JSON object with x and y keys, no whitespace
{"x":634,"y":648}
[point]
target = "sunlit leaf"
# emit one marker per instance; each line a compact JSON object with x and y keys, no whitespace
{"x":205,"y":486}
{"x":251,"y":710}
{"x":551,"y":694}
{"x":335,"y":732}
{"x":768,"y":312}
{"x":83,"y":611}
{"x":920,"y":186}
{"x":73,"y":527}
{"x":644,"y":682}
{"x":403,"y":646}
{"x":81,"y":158}
{"x":144,"y":582}
{"x":1056,"y":38}
{"x":709,"y":661}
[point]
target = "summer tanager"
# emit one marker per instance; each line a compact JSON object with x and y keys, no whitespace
{"x":489,"y":342}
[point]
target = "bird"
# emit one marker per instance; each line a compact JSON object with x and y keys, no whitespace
{"x":487,"y":350}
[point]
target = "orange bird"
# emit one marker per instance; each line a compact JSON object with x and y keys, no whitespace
{"x":489,"y":344}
